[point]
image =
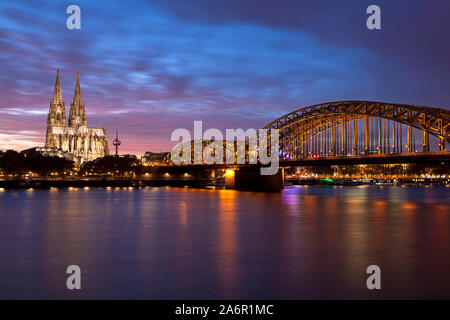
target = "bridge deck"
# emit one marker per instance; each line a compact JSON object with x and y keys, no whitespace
{"x":425,"y":157}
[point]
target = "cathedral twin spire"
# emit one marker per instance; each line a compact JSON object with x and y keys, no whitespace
{"x":77,"y":114}
{"x":57,"y":96}
{"x":57,"y":112}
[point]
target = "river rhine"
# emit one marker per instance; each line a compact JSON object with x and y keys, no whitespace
{"x":182,"y":243}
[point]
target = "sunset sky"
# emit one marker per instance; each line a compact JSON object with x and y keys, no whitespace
{"x":150,"y":67}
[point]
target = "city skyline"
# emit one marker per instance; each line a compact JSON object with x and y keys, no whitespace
{"x":225,"y":157}
{"x":152,"y":67}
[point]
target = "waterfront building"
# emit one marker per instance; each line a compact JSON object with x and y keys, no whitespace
{"x":52,"y":152}
{"x":154,"y":157}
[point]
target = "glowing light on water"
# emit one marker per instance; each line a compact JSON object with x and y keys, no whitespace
{"x":409,"y":206}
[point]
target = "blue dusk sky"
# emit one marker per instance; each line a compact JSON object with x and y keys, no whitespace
{"x":149,"y":67}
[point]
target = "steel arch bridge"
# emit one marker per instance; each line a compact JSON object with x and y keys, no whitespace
{"x":360,"y":128}
{"x":346,"y":129}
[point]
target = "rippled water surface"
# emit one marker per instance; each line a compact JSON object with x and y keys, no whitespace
{"x":168,"y":243}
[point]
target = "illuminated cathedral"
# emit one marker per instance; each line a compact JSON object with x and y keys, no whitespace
{"x":75,"y":137}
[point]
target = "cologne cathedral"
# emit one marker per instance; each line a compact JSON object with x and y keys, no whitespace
{"x":74,"y":137}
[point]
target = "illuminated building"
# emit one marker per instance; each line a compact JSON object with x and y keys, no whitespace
{"x":75,"y":138}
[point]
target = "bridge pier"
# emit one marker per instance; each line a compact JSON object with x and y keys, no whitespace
{"x":251,"y":179}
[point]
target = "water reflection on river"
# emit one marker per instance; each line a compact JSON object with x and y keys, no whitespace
{"x":167,"y":243}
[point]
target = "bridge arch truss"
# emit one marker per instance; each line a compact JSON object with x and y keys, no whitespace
{"x":361,"y":127}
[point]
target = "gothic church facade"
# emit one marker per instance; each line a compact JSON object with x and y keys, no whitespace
{"x":74,"y":136}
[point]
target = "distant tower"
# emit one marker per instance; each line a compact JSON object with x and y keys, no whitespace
{"x":117,"y":142}
{"x":77,"y":114}
{"x":57,"y":112}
